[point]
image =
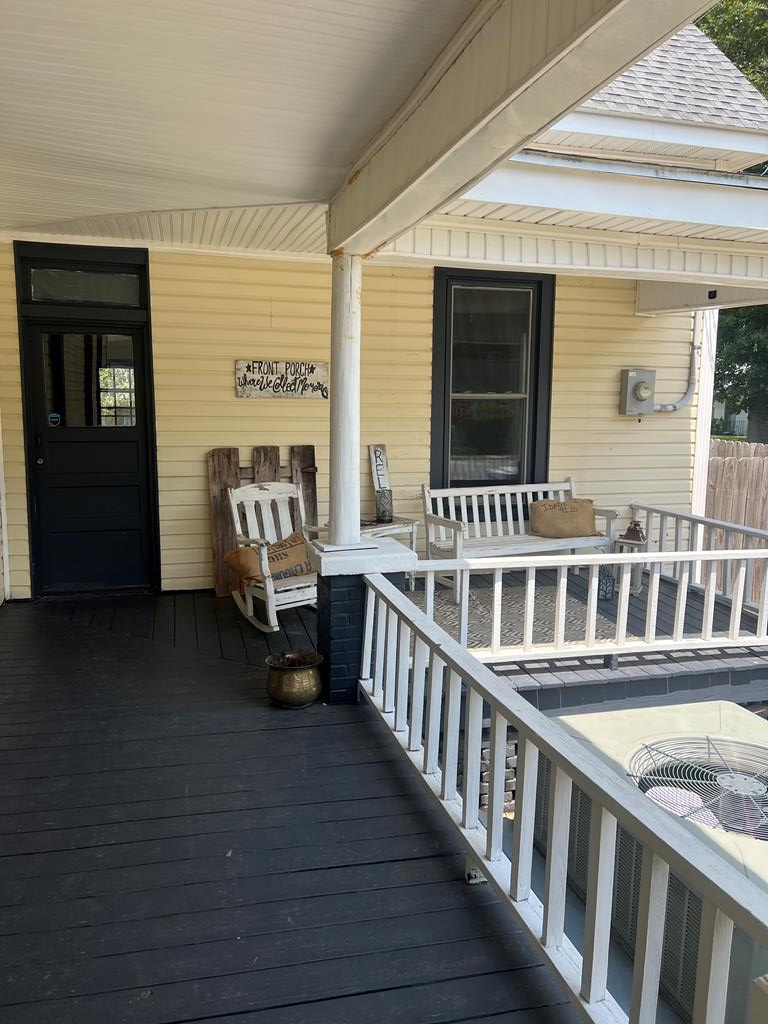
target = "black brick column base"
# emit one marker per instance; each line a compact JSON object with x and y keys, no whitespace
{"x":340,"y":615}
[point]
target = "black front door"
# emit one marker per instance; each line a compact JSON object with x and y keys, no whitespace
{"x":88,"y":417}
{"x":89,"y":457}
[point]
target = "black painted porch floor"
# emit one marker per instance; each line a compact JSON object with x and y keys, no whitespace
{"x":174,"y":849}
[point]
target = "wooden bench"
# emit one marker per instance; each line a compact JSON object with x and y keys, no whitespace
{"x":492,"y":522}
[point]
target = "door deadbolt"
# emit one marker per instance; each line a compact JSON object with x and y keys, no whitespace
{"x":39,"y":460}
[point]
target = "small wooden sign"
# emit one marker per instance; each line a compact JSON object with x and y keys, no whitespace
{"x":379,"y":466}
{"x":280,"y":378}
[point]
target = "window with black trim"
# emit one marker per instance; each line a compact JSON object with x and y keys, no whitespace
{"x":491,"y":378}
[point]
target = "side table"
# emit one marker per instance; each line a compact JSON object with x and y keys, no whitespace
{"x":399,"y":525}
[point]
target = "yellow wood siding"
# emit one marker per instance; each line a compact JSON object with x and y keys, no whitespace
{"x":614,"y":458}
{"x":208,"y":311}
{"x":13,"y":483}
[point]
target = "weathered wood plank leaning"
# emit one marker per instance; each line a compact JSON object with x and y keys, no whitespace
{"x":476,"y":522}
{"x":263,"y":514}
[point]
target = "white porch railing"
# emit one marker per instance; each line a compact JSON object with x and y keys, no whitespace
{"x":420,"y":681}
{"x":664,"y":627}
{"x":670,"y":531}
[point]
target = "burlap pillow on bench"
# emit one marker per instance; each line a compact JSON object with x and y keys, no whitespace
{"x":561,"y":519}
{"x":286,"y":558}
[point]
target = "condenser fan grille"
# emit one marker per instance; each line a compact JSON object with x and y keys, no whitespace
{"x":716,"y":782}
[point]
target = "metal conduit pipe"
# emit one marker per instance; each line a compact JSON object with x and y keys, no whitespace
{"x":692,"y":379}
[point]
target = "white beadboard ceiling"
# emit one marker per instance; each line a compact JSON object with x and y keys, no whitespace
{"x":109,"y":107}
{"x":291,"y":227}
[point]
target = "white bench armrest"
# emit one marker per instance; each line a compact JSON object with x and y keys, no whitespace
{"x":606,"y":513}
{"x":454,"y":525}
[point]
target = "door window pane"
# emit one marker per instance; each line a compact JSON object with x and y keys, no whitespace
{"x":487,"y":439}
{"x":490,"y":354}
{"x":89,"y":380}
{"x":100,"y":288}
{"x":491,"y":328}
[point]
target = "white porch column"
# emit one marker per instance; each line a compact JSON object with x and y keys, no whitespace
{"x":705,"y":332}
{"x":346,"y":280}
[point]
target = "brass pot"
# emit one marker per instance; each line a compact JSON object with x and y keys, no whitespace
{"x":293,"y":680}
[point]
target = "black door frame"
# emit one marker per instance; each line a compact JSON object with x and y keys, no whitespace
{"x":86,"y":257}
{"x":540,"y":370}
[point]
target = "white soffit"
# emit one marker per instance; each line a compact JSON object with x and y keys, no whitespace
{"x":715,"y":146}
{"x":611,"y":197}
{"x":291,"y":227}
{"x":671,"y":297}
{"x":108,"y":107}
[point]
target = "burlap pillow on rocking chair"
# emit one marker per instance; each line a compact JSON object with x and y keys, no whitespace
{"x":574,"y":517}
{"x":286,"y":558}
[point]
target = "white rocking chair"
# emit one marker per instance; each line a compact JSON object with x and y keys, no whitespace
{"x":263,"y":514}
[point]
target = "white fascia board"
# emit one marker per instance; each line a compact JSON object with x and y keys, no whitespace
{"x":713,"y":199}
{"x":672,"y":297}
{"x":503,"y":245}
{"x":521,"y":67}
{"x":717,"y":137}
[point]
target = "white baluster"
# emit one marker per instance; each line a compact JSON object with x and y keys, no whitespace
{"x":530,"y":608}
{"x":737,"y":600}
{"x":556,"y":871}
{"x":526,"y":777}
{"x":464,"y":607}
{"x":678,"y":544}
{"x":762,"y":609}
{"x":497,"y":758}
{"x":622,"y":608}
{"x":434,"y":708}
{"x":649,"y":941}
{"x":681,"y":599}
{"x":592,"y":592}
{"x":429,"y":595}
{"x":367,"y":653}
{"x":652,"y":602}
{"x":417,"y":694}
{"x":451,"y":737}
{"x":597,"y":922}
{"x":710,"y":594}
{"x":390,"y":664}
{"x":496,"y":616}
{"x":473,"y":736}
{"x":401,"y":681}
{"x":380,"y":659}
{"x":712,"y":966}
{"x":561,"y":598}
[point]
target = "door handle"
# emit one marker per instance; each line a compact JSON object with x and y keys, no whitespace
{"x":40,"y":460}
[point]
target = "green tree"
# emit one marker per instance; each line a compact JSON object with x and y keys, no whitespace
{"x":741,"y":365}
{"x":740,"y":29}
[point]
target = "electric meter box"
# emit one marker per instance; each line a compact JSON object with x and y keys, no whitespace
{"x":637,"y":396}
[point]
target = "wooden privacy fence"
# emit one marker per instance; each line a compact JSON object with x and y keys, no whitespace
{"x":737,"y":489}
{"x":737,"y":450}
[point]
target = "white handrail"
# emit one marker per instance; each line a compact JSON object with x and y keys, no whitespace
{"x":718,"y":524}
{"x":449,"y":670}
{"x":574,"y":629}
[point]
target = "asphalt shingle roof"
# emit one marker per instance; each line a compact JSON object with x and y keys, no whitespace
{"x":686,"y":78}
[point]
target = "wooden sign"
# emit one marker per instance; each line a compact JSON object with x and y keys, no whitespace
{"x":280,"y":378}
{"x":379,"y":466}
